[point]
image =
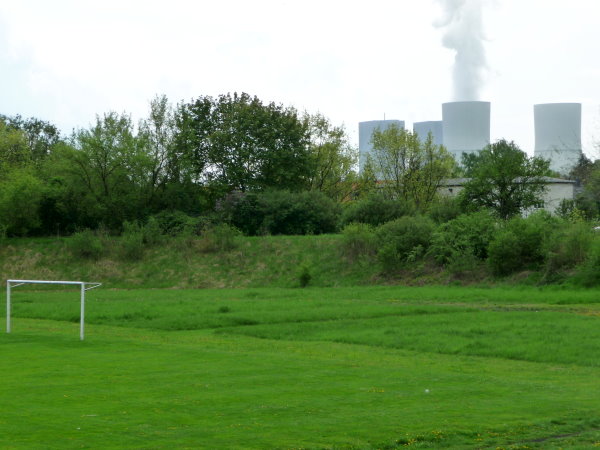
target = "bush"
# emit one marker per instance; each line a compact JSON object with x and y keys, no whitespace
{"x":283,"y":212}
{"x":86,"y":245}
{"x":358,"y":240}
{"x":588,"y":274}
{"x":131,"y":243}
{"x":175,"y":223}
{"x":152,"y":233}
{"x":403,"y":241}
{"x":568,"y":247}
{"x":462,"y":238}
{"x":304,"y":275}
{"x":219,"y":238}
{"x":522,"y":244}
{"x":444,"y":209}
{"x":375,"y":210}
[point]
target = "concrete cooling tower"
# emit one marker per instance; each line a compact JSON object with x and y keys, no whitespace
{"x":558,"y":134}
{"x":466,"y":127}
{"x":365,"y":132}
{"x":435,"y":127}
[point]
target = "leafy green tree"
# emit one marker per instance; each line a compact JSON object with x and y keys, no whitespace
{"x":235,"y":142}
{"x":14,"y":151}
{"x":21,"y":193}
{"x":332,"y":158}
{"x":504,"y":179}
{"x":107,"y":165}
{"x":410,"y":169}
{"x":41,"y":136}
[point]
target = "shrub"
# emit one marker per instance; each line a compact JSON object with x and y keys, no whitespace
{"x":444,"y":209}
{"x":568,"y":247}
{"x":152,"y":233}
{"x":174,"y":223}
{"x":358,"y":240}
{"x":284,"y":212}
{"x":459,"y":239}
{"x":403,"y":241}
{"x":588,"y":273}
{"x":131,"y":243}
{"x":219,"y":238}
{"x":304,"y":275}
{"x":375,"y":210}
{"x":522,"y":244}
{"x":86,"y":244}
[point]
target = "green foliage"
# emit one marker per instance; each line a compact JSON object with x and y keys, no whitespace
{"x":375,"y":210}
{"x":284,"y":212}
{"x":504,"y":179}
{"x":568,"y":247}
{"x":86,"y":244}
{"x":219,"y":238}
{"x":521,"y":243}
{"x":21,"y":194}
{"x":410,"y":169}
{"x":462,"y":238}
{"x":588,"y":273}
{"x":131,"y":242}
{"x":444,"y":208}
{"x":358,"y":241}
{"x":246,"y":144}
{"x":304,"y":275}
{"x":332,"y":158}
{"x":174,"y":223}
{"x":403,"y":241}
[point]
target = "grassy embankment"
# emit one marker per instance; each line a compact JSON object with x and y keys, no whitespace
{"x":273,"y":261}
{"x":362,"y":367}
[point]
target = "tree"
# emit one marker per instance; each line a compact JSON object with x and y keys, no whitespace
{"x":408,"y":167}
{"x":504,"y":179}
{"x":332,"y":158}
{"x":40,"y":136}
{"x":235,"y":142}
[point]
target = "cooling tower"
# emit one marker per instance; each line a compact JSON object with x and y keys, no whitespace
{"x":558,"y":134}
{"x":365,"y":132}
{"x":434,"y":127}
{"x":466,"y":127}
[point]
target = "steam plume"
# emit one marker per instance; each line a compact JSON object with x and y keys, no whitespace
{"x":463,"y":25}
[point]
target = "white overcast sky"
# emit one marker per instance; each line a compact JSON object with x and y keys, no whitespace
{"x":66,"y":61}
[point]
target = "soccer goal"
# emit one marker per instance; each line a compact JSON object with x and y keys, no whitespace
{"x":84,"y":286}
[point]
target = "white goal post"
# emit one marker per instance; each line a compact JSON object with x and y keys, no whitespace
{"x":84,"y":286}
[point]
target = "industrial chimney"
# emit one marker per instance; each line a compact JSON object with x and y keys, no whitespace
{"x":435,"y":127}
{"x":558,"y":134}
{"x":466,"y":127}
{"x":365,"y":133}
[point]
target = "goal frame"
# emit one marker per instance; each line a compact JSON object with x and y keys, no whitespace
{"x":84,"y":286}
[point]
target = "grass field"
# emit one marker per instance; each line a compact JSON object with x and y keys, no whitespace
{"x":366,"y":367}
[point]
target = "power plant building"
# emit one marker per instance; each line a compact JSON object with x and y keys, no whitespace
{"x":365,"y":134}
{"x":466,"y":127}
{"x":435,"y":127}
{"x":558,"y":134}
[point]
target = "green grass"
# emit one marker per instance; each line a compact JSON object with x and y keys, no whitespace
{"x":370,"y":367}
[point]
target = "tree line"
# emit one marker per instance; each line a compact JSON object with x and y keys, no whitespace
{"x":179,"y":158}
{"x":262,"y":167}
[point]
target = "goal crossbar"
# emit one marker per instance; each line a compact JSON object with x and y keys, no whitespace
{"x":84,"y":286}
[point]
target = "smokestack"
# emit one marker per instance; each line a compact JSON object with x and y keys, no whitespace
{"x":435,"y":127}
{"x":466,"y":127}
{"x":558,"y":134}
{"x":463,"y":32}
{"x":365,"y":133}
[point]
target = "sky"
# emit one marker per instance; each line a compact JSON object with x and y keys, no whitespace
{"x":67,"y":61}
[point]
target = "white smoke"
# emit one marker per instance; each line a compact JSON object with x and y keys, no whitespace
{"x":463,"y":32}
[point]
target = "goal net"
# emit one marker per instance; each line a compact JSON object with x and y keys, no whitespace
{"x":84,"y":286}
